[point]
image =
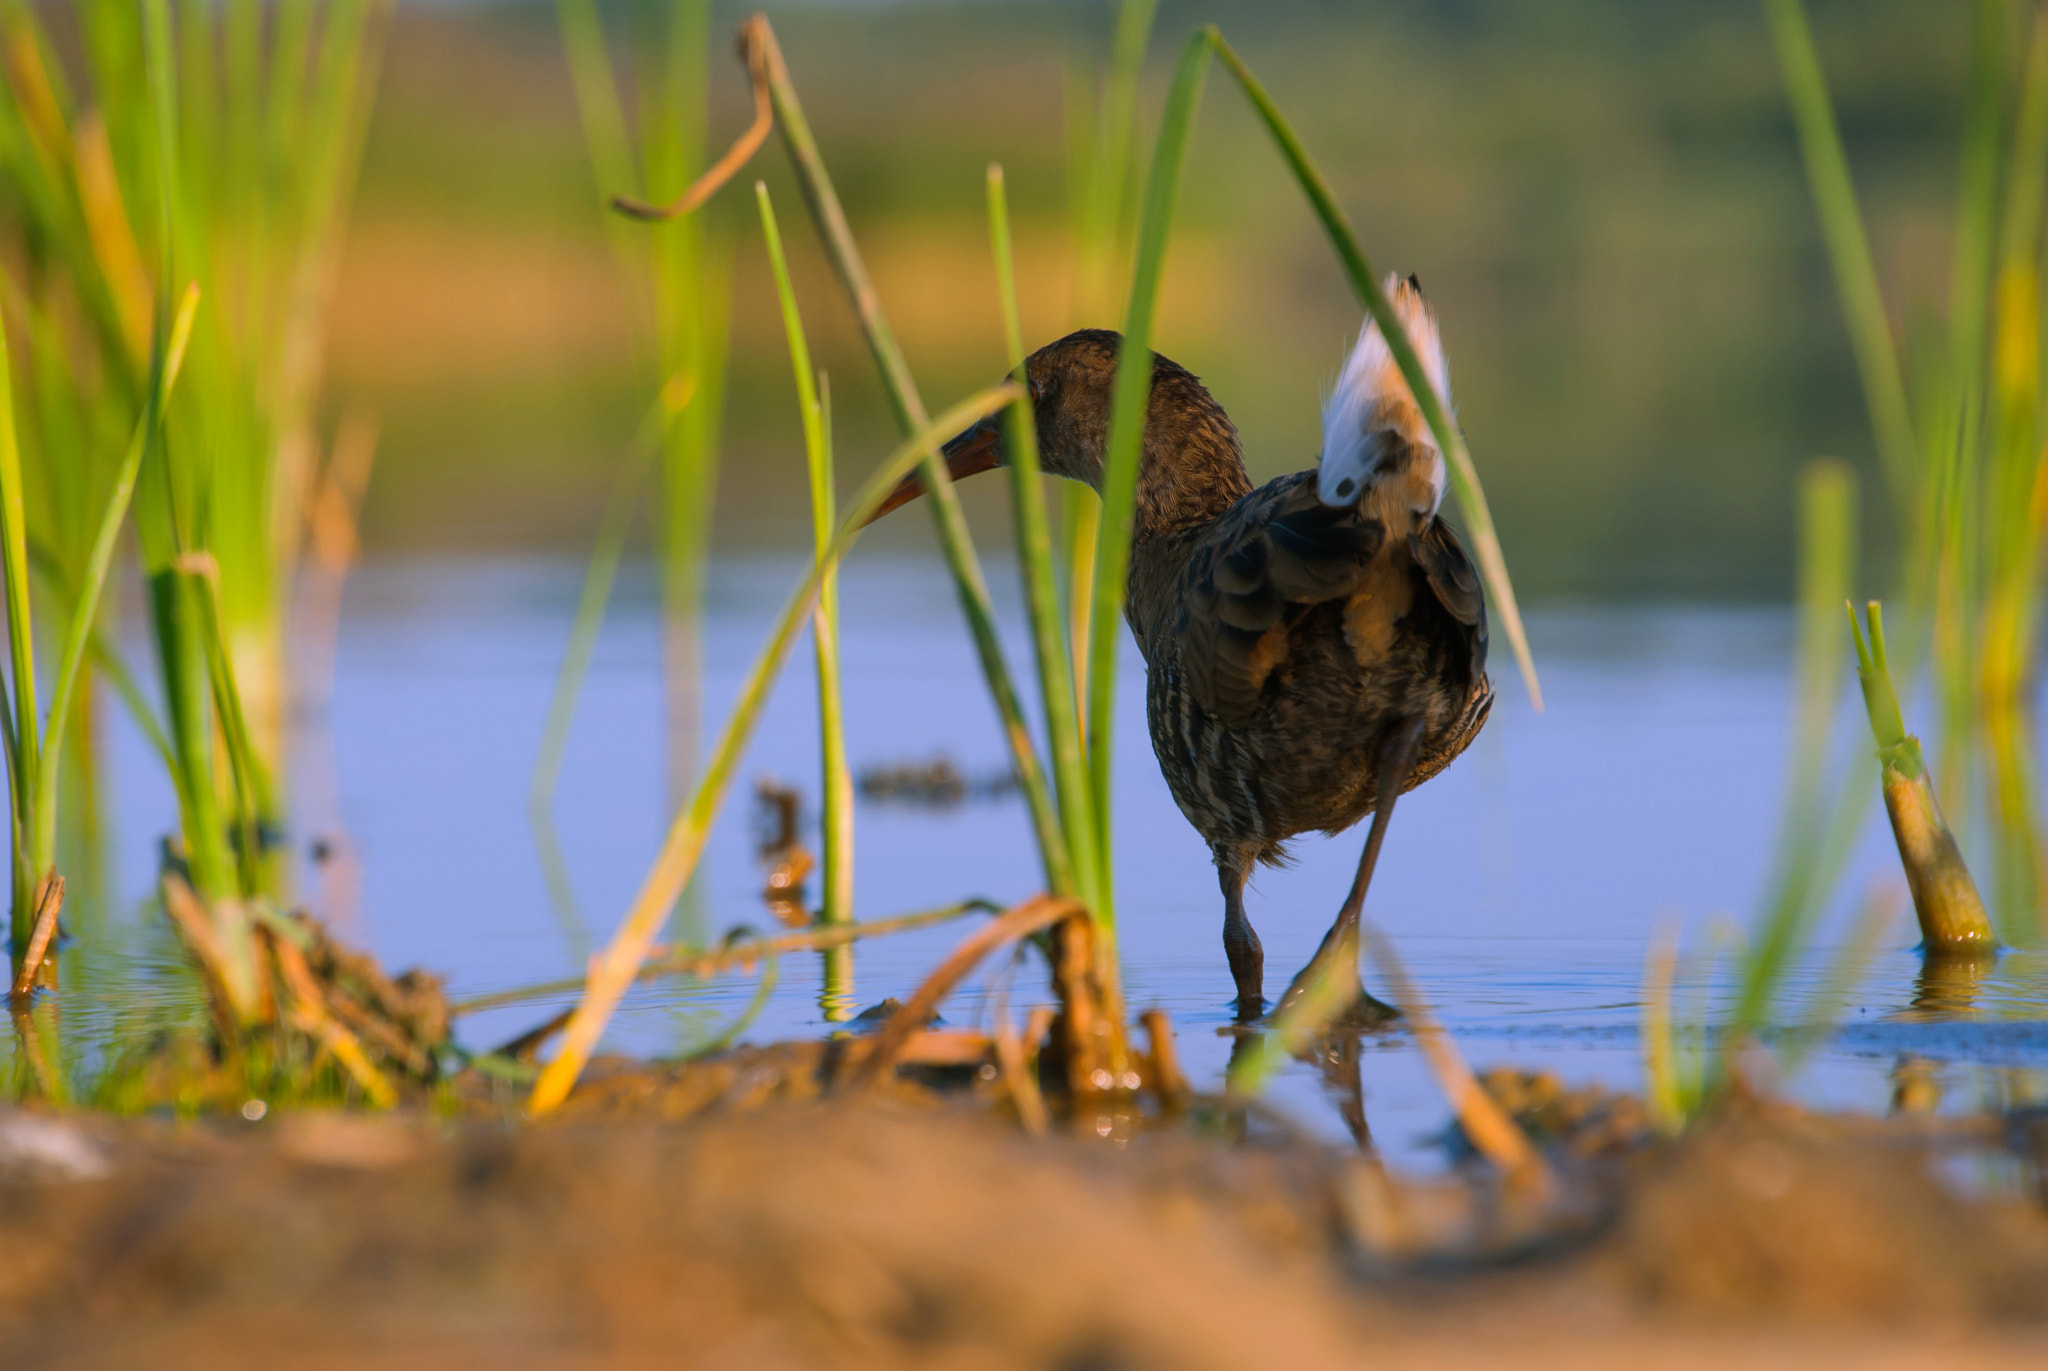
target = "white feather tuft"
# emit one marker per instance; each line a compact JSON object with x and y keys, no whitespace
{"x":1371,"y":395}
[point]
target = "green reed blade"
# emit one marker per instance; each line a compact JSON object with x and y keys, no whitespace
{"x":109,"y":664}
{"x":1103,"y":162}
{"x":1129,"y":400}
{"x":14,"y":564}
{"x":85,"y":604}
{"x":1105,"y":191}
{"x":1974,"y":246}
{"x":29,"y":863}
{"x":1820,"y":817}
{"x":1834,"y":198}
{"x":1041,"y":588}
{"x":599,"y":574}
{"x":836,"y":780}
{"x":1450,"y":439}
{"x":2009,"y":629}
{"x":958,"y":546}
{"x":615,"y":968}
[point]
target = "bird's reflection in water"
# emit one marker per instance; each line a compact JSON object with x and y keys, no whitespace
{"x":1337,"y":1057}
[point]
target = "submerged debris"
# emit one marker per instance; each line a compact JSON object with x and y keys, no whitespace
{"x":936,"y":784}
{"x":778,"y":812}
{"x":1582,"y":1122}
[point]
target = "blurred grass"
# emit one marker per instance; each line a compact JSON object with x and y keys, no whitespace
{"x":1604,"y":200}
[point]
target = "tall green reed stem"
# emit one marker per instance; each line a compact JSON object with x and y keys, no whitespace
{"x":1103,"y":133}
{"x":835,"y":780}
{"x":1824,"y":805}
{"x":615,"y":968}
{"x":1130,"y":399}
{"x":33,"y":760}
{"x":954,"y":539}
{"x":680,"y":267}
{"x":1064,"y":738}
{"x":599,"y":575}
{"x":237,"y":140}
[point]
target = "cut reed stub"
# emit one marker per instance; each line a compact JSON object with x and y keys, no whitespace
{"x":1945,"y":898}
{"x":1951,"y":913}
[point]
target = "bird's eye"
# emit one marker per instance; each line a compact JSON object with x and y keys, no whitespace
{"x":1037,"y":389}
{"x":1345,"y":487}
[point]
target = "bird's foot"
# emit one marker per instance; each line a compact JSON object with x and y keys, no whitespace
{"x":1365,"y":1014}
{"x":1339,"y":985}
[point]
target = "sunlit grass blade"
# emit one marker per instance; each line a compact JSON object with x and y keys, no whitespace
{"x":1130,"y":399}
{"x":835,"y":779}
{"x":615,"y":968}
{"x":1450,"y":439}
{"x":24,"y":719}
{"x":1834,"y":198}
{"x":1663,"y":1092}
{"x":1819,"y":816}
{"x":1041,"y":589}
{"x":85,"y":603}
{"x":829,"y":217}
{"x":599,"y":574}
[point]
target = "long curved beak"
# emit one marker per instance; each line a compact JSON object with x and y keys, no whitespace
{"x":977,"y":450}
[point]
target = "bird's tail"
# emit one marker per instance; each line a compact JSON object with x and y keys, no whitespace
{"x":1371,"y":393}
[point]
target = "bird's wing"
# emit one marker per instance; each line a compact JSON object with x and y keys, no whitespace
{"x":1456,"y":582}
{"x":1273,"y":553}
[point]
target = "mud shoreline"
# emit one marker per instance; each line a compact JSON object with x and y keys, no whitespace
{"x":902,"y":1229}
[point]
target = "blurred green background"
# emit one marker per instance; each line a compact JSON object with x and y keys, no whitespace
{"x":1602,"y":197}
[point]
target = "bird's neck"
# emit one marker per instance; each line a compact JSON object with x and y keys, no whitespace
{"x":1193,"y":469}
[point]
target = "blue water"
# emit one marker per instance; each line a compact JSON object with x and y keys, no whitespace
{"x":1522,"y":886}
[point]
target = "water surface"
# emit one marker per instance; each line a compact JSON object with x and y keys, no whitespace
{"x":1522,"y":885}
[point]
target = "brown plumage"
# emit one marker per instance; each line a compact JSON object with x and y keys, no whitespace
{"x":1299,"y":656}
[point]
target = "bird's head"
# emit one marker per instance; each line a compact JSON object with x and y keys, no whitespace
{"x":1070,"y":383}
{"x":1376,"y":445}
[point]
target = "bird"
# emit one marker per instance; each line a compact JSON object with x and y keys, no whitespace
{"x":1314,"y":647}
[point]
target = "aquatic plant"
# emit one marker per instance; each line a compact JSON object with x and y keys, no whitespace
{"x":219,"y":147}
{"x":835,"y":778}
{"x":1952,"y":919}
{"x":1102,"y":158}
{"x":678,"y":266}
{"x":614,"y":969}
{"x":1959,"y":435}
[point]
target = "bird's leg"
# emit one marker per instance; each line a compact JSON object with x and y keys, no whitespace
{"x":1338,"y":1057}
{"x":1397,"y":759}
{"x":1240,"y":942}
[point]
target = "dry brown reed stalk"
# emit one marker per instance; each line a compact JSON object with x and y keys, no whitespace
{"x":49,"y":903}
{"x":1497,"y":1137}
{"x":334,"y":502}
{"x":737,"y":954}
{"x":1168,"y":1081}
{"x":1011,"y":927}
{"x":524,"y":1048}
{"x":754,"y":52}
{"x":309,"y":1013}
{"x":1018,"y":1077}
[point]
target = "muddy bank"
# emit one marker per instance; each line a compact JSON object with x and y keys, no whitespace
{"x":887,"y":1235}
